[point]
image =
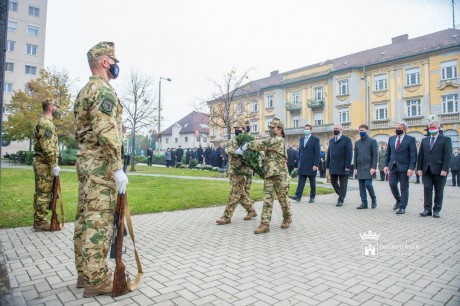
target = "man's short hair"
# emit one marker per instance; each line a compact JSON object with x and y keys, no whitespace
{"x":363,"y":126}
{"x":309,"y":125}
{"x":404,"y":124}
{"x":436,"y":122}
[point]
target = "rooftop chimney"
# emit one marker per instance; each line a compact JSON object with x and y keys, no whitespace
{"x":400,"y":38}
{"x":273,"y":73}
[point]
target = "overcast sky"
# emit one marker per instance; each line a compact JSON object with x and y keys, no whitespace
{"x":193,"y":42}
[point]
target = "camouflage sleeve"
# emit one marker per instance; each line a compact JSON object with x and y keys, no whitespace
{"x":260,"y":145}
{"x":48,"y":141}
{"x":231,"y":146}
{"x":105,"y":125}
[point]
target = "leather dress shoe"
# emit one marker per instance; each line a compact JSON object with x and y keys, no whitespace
{"x":425,"y":213}
{"x":339,"y":203}
{"x":294,"y":198}
{"x":374,"y":204}
{"x":436,"y":214}
{"x":311,"y":201}
{"x":396,"y":207}
{"x":362,"y":206}
{"x":401,"y":211}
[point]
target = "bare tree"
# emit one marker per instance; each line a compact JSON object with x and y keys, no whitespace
{"x":229,"y":101}
{"x":138,"y":107}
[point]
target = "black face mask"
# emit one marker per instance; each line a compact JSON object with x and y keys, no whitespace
{"x":238,"y":132}
{"x":248,"y":129}
{"x":336,"y":132}
{"x":399,"y":132}
{"x":114,"y":70}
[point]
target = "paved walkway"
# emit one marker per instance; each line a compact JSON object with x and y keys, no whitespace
{"x":189,"y":260}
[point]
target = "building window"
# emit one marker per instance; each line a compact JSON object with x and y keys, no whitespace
{"x":13,"y":6}
{"x":380,"y":82}
{"x":453,"y":135}
{"x":255,"y":106}
{"x":318,"y":93}
{"x":344,"y":116}
{"x":8,"y":87}
{"x":255,"y":128}
{"x":318,"y":118}
{"x":381,"y":111}
{"x":269,"y":101}
{"x":31,"y":49}
{"x":413,"y":107}
{"x":186,"y":139}
{"x":34,"y":11}
{"x":9,"y":67}
{"x":213,"y":132}
{"x":10,"y":46}
{"x":269,"y":121}
{"x":450,"y":104}
{"x":12,"y":26}
{"x":240,"y":108}
{"x":176,"y":140}
{"x":32,"y":70}
{"x":413,"y":76}
{"x":32,"y":30}
{"x":342,"y":87}
{"x":449,"y":70}
{"x":296,"y":98}
{"x":295,"y":121}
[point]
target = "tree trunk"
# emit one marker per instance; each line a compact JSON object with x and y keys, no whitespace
{"x":133,"y":148}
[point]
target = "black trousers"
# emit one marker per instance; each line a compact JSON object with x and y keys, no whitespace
{"x":382,"y":176}
{"x":401,"y":195}
{"x":456,"y":177}
{"x":430,"y":182}
{"x":301,"y":185}
{"x":290,"y":169}
{"x":340,"y":183}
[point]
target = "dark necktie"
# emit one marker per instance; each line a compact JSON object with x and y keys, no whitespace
{"x":305,"y":142}
{"x":398,"y":143}
{"x":335,"y":138}
{"x":432,"y":143}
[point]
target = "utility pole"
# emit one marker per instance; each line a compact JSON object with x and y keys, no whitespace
{"x":453,"y":14}
{"x":4,"y":7}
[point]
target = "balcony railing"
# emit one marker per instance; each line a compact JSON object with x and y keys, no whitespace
{"x":454,"y":117}
{"x":316,"y":129}
{"x":379,"y":124}
{"x":293,"y":107}
{"x":315,"y":104}
{"x":414,"y":120}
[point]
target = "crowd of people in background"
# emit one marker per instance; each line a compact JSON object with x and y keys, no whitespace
{"x":209,"y":156}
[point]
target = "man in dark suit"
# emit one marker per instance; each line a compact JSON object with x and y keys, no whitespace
{"x":433,"y":166}
{"x":149,"y":156}
{"x":455,"y":168}
{"x":179,"y":154}
{"x":291,"y":159}
{"x":400,"y":160}
{"x":308,"y":162}
{"x":366,"y":156}
{"x":338,"y":162}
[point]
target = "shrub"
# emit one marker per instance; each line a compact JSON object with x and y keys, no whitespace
{"x":193,"y":163}
{"x":159,"y":159}
{"x":178,"y":165}
{"x":6,"y":155}
{"x":68,"y":157}
{"x":140,"y":159}
{"x":294,"y":173}
{"x":29,"y":157}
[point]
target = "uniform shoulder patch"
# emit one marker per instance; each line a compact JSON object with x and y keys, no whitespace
{"x":106,"y":106}
{"x":48,"y":134}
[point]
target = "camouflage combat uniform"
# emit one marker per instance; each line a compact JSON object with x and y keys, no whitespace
{"x":46,"y":149}
{"x":98,"y":114}
{"x":276,"y":175}
{"x":240,"y":183}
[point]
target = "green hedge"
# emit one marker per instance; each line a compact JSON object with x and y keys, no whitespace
{"x":68,"y":157}
{"x":159,"y":159}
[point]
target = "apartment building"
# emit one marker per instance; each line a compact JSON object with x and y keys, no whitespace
{"x":25,"y":54}
{"x":191,"y":131}
{"x":412,"y":80}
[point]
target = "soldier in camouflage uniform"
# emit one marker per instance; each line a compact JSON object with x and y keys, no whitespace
{"x":276,"y":175}
{"x":45,"y":163}
{"x":98,"y":114}
{"x":240,"y":182}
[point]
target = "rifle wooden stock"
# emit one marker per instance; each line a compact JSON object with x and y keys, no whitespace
{"x":120,"y":281}
{"x":56,"y":194}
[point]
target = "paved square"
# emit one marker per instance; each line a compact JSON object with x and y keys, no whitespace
{"x":189,"y":260}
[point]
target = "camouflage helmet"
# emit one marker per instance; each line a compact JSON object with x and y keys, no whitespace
{"x":277,"y":122}
{"x":239,"y":124}
{"x":102,"y":48}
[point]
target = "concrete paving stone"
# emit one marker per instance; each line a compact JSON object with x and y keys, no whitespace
{"x":246,"y":301}
{"x":346,"y":301}
{"x":265,"y":298}
{"x":428,"y":301}
{"x":54,"y":303}
{"x":206,"y":299}
{"x":324,"y":296}
{"x":453,"y":302}
{"x":442,"y":297}
{"x":413,"y":303}
{"x":418,"y":293}
{"x":250,"y":292}
{"x":167,"y":290}
{"x":164,"y":297}
{"x":363,"y":296}
{"x":422,"y":283}
{"x":371,"y":303}
{"x":284,"y":294}
{"x":385,"y":301}
{"x":403,"y":297}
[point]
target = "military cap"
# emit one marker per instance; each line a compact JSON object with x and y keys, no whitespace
{"x":50,"y":101}
{"x":102,"y":48}
{"x":247,"y":122}
{"x":277,"y":122}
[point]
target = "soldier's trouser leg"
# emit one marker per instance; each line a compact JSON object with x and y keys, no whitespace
{"x":237,"y":195}
{"x":282,"y":189}
{"x":269,"y":192}
{"x":247,"y":188}
{"x":43,"y":184}
{"x":79,"y":226}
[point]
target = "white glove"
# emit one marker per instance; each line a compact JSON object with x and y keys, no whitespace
{"x":239,"y":151}
{"x":122,"y":181}
{"x":244,"y":147}
{"x":56,"y":170}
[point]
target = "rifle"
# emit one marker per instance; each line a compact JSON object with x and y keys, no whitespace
{"x":55,"y":195}
{"x":121,"y":280}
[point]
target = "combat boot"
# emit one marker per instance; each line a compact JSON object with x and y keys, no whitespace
{"x":43,"y":226}
{"x":223,"y":221}
{"x":263,"y":228}
{"x":81,"y":281}
{"x":286,"y":223}
{"x":250,"y":215}
{"x":104,"y":288}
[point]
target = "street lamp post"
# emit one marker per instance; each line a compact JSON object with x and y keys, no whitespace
{"x":159,"y":110}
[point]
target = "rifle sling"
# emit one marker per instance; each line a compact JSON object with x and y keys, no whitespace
{"x":138,"y":261}
{"x":62,"y":207}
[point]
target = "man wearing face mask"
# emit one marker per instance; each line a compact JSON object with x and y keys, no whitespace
{"x":338,"y":162}
{"x":240,"y":180}
{"x":98,"y":119}
{"x":400,"y":161}
{"x":307,"y":165}
{"x":455,"y":168}
{"x":45,"y":163}
{"x":433,"y":166}
{"x":366,"y":156}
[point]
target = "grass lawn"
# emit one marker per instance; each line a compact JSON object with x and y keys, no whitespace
{"x":146,"y":194}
